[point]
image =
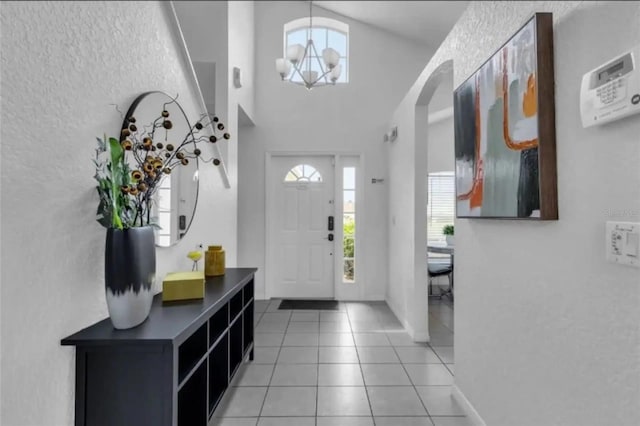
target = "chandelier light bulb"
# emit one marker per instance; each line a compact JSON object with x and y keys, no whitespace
{"x":331,"y":57}
{"x":335,"y":73}
{"x":295,"y":53}
{"x":310,"y":76}
{"x":283,"y":66}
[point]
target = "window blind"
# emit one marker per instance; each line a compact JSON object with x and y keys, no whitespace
{"x":440,"y":205}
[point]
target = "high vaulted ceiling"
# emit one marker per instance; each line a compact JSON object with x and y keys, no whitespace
{"x":427,"y":22}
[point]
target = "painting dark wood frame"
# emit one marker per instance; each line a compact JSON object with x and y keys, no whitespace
{"x":547,"y":172}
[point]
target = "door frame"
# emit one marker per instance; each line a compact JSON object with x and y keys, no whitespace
{"x":338,"y":294}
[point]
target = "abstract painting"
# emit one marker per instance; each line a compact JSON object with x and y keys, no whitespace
{"x":504,"y":120}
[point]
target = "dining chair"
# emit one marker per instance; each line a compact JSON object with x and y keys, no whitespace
{"x":438,"y":269}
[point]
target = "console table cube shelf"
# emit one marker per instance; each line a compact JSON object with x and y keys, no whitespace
{"x":173,"y":369}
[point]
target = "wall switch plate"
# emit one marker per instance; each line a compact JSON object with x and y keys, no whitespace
{"x":237,"y":78}
{"x":623,"y":243}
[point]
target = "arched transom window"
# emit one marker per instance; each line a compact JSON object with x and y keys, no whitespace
{"x":325,"y":33}
{"x":303,"y":173}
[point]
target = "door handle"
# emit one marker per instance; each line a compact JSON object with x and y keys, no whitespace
{"x":329,"y":237}
{"x":330,"y":224}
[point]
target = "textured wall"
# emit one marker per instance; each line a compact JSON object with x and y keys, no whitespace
{"x":546,"y":331}
{"x":63,"y":64}
{"x":344,"y":118}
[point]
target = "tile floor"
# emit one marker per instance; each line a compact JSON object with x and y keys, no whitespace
{"x":352,"y":367}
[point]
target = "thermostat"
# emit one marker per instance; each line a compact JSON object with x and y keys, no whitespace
{"x":623,"y":243}
{"x":612,"y":90}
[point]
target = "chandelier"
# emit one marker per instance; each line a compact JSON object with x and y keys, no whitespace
{"x":301,"y":59}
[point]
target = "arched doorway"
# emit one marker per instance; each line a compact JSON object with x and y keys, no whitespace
{"x":433,"y":154}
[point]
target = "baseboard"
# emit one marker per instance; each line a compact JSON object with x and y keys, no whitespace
{"x":400,"y":317}
{"x":471,"y":412}
{"x":423,"y":337}
{"x":375,"y":298}
{"x":418,"y":337}
{"x":364,"y":299}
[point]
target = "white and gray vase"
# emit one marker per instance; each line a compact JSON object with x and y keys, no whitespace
{"x":130,"y":268}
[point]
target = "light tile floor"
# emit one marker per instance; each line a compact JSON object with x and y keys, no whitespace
{"x":352,"y":367}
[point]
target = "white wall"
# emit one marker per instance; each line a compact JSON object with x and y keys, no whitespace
{"x":223,"y":33}
{"x":63,"y":64}
{"x":546,"y":331}
{"x":205,"y":28}
{"x":242,"y":54}
{"x":443,"y":96}
{"x":440,"y":152}
{"x":345,"y":118}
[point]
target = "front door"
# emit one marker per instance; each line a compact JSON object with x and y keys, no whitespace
{"x":301,"y":251}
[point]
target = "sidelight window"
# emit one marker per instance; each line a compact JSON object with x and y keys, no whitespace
{"x":349,"y":223}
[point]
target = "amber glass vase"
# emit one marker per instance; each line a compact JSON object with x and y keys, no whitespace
{"x":214,"y":262}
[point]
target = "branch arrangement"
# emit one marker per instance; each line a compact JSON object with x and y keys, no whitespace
{"x":129,"y":170}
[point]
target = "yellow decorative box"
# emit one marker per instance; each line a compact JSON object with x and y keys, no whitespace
{"x":183,"y":286}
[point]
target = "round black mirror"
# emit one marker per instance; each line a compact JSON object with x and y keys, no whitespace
{"x":162,"y":125}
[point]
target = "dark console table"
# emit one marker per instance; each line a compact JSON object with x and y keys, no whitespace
{"x":173,"y":369}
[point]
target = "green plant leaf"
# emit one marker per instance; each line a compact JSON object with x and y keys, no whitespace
{"x":103,"y":215}
{"x":117,"y":158}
